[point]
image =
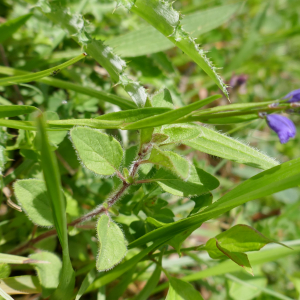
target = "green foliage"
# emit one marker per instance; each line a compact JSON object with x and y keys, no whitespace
{"x":173,"y":195}
{"x":112,"y":244}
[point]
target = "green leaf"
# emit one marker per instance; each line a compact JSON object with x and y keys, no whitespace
{"x":201,"y":202}
{"x":99,"y":152}
{"x":146,"y":39}
{"x":239,"y":258}
{"x":150,"y":285}
{"x":162,"y":99}
{"x":165,"y":19}
{"x":52,"y":178}
{"x":48,"y":274}
{"x":179,"y":133}
{"x":112,"y":244}
{"x":38,"y":75}
{"x":7,"y":111}
{"x":8,"y":28}
{"x":20,"y":285}
{"x":170,"y":160}
{"x":271,"y":181}
{"x":159,"y":138}
{"x":87,"y":281}
{"x":181,"y":290}
{"x":34,"y":199}
{"x":198,"y":182}
{"x":170,"y":116}
{"x":132,"y":115}
{"x":220,"y":145}
{"x":92,"y":92}
{"x":243,"y":238}
{"x":4,"y":270}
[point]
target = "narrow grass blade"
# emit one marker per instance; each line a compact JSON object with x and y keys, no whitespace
{"x":170,"y":116}
{"x":7,"y":111}
{"x":34,"y":76}
{"x":52,"y":179}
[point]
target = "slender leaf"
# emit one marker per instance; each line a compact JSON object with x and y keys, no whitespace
{"x":220,"y":145}
{"x":88,"y":280}
{"x":7,"y":111}
{"x":20,"y":285}
{"x":38,"y":75}
{"x":170,"y":116}
{"x":52,"y":179}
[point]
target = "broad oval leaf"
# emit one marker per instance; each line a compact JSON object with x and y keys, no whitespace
{"x":220,"y":145}
{"x":112,"y":244}
{"x":198,"y":182}
{"x":33,"y":197}
{"x":98,"y":151}
{"x":48,"y":273}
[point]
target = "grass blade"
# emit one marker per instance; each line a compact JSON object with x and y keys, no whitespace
{"x":52,"y":179}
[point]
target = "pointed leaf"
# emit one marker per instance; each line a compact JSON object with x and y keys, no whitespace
{"x":88,"y":280}
{"x":163,"y":99}
{"x":170,"y":160}
{"x":181,"y":290}
{"x":99,"y":152}
{"x":112,"y":244}
{"x":34,"y":199}
{"x":48,"y":274}
{"x":198,"y":182}
{"x":179,"y":133}
{"x":170,"y":116}
{"x":220,"y":145}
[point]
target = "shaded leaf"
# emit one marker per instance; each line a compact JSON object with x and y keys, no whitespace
{"x":112,"y":244}
{"x":34,"y":199}
{"x":48,"y":274}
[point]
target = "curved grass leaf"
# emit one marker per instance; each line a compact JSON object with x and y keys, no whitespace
{"x":7,"y":111}
{"x":8,"y":28}
{"x":38,"y":75}
{"x":220,"y":145}
{"x":99,"y":152}
{"x":112,"y":244}
{"x":146,"y":39}
{"x":48,"y":274}
{"x":34,"y":199}
{"x":268,"y":182}
{"x":170,"y":116}
{"x":52,"y":178}
{"x":15,"y":259}
{"x":165,"y":19}
{"x":132,"y":115}
{"x":88,"y":280}
{"x":101,"y":95}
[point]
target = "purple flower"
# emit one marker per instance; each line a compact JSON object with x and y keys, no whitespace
{"x":283,"y":126}
{"x":293,"y":96}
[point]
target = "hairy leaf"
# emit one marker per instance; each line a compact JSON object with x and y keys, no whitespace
{"x":112,"y":244}
{"x":99,"y":152}
{"x":34,"y":199}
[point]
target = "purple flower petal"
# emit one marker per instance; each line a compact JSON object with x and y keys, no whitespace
{"x":283,"y":126}
{"x":293,"y":96}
